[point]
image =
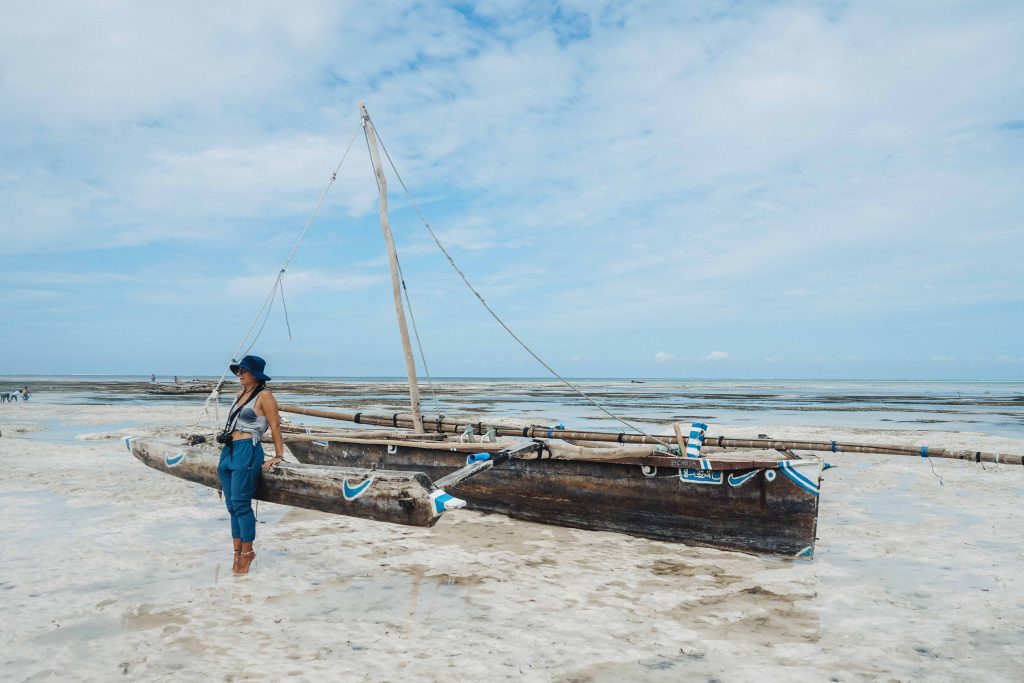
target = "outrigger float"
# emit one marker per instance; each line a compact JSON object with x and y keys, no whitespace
{"x":409,"y":498}
{"x":751,"y":495}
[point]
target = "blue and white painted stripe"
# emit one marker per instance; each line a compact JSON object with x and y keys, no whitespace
{"x":696,"y":439}
{"x":174,"y":460}
{"x":442,"y":502}
{"x":799,"y":478}
{"x":351,"y":492}
{"x":741,"y":479}
{"x":128,"y":442}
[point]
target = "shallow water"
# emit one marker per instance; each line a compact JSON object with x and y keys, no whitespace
{"x":994,"y":408}
{"x":57,"y":431}
{"x":109,"y":569}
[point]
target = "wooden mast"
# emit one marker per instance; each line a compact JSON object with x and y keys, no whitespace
{"x":396,"y":287}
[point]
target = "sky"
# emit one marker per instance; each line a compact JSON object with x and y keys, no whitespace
{"x":639,"y":189}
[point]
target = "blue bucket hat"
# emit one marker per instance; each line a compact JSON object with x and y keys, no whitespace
{"x":253,"y":364}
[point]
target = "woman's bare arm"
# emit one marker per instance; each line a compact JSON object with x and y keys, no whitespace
{"x":269,"y":406}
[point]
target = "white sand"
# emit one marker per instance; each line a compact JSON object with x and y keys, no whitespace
{"x":110,"y":569}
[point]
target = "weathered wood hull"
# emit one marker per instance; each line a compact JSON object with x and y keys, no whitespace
{"x":766,"y":511}
{"x":406,"y":497}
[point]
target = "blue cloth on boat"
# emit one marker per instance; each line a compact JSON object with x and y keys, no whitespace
{"x":241,"y":463}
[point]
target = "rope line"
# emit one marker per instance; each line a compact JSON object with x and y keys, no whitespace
{"x":494,"y":315}
{"x":268,"y":302}
{"x":287,"y":322}
{"x":936,"y":474}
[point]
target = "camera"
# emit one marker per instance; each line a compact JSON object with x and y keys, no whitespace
{"x":223,"y":437}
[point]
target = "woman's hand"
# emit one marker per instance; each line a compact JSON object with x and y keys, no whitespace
{"x":272,"y":463}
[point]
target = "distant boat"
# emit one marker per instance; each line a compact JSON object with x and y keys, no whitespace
{"x":194,"y":386}
{"x":637,"y":381}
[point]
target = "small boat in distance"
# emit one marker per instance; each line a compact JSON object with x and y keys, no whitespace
{"x":193,"y":386}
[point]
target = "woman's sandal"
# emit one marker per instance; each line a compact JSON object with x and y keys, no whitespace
{"x":234,"y":564}
{"x":245,"y":561}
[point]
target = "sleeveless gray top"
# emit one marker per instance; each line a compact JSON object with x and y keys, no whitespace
{"x":248,"y":421}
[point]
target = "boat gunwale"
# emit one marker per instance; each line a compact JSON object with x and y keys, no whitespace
{"x":709,"y":462}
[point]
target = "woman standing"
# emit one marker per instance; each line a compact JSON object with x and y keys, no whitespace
{"x":241,"y":459}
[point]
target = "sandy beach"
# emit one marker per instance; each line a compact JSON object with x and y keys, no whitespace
{"x":110,"y":569}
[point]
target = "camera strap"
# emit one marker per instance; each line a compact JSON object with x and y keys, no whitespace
{"x":229,"y":425}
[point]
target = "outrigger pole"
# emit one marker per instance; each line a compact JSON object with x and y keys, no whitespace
{"x":442,"y":424}
{"x":396,"y":283}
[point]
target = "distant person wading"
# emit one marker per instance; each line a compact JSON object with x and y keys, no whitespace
{"x":241,"y":459}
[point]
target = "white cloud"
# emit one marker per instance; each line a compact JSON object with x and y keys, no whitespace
{"x":303,"y":282}
{"x":663,"y":357}
{"x":779,"y":164}
{"x":716,"y":356}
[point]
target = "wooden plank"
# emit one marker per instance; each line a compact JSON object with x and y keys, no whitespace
{"x":680,"y":439}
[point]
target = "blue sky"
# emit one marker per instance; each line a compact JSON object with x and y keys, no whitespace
{"x":642,"y":189}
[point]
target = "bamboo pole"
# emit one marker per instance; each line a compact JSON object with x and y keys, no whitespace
{"x":446,"y":425}
{"x":396,"y":287}
{"x":680,"y":439}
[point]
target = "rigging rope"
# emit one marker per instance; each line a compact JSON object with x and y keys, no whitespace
{"x":491,"y":311}
{"x":287,"y":322}
{"x":278,"y":284}
{"x":416,"y":333}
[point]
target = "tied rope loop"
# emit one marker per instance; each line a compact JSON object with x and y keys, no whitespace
{"x":931,"y":463}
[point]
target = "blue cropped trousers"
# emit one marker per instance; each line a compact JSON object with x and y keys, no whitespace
{"x":240,"y":465}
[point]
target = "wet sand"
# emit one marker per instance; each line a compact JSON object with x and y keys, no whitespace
{"x":110,"y":569}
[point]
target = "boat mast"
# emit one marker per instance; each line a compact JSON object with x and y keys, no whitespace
{"x":396,"y":288}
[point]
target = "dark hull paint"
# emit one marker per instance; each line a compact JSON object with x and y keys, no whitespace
{"x":759,"y":516}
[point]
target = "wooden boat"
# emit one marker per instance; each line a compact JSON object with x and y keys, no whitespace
{"x":736,"y":500}
{"x":191,"y":387}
